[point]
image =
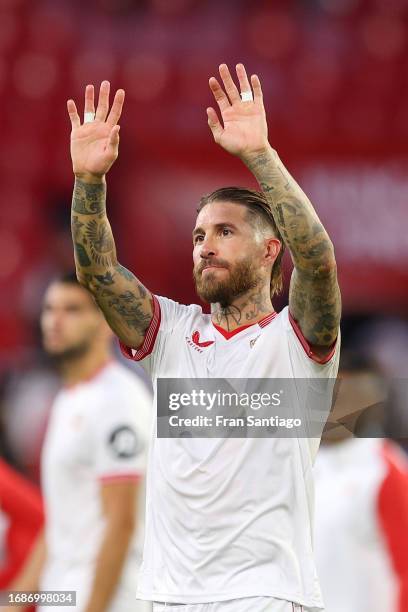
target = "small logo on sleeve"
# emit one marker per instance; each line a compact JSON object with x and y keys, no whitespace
{"x":124,"y":442}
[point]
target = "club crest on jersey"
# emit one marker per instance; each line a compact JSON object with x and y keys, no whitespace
{"x":252,"y":342}
{"x":195,"y":342}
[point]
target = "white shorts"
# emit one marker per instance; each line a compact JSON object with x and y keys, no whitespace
{"x":246,"y":604}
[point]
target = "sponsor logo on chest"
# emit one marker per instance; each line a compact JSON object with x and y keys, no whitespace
{"x":196,"y":343}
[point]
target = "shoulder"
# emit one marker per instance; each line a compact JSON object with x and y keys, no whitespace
{"x":117,"y":389}
{"x":174,"y":315}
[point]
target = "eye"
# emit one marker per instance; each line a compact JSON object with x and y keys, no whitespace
{"x":198,"y":238}
{"x":226,"y":231}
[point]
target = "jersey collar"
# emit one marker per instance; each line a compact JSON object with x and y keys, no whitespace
{"x":230,"y":334}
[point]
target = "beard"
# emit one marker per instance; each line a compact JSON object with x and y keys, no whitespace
{"x":70,"y":353}
{"x":243,"y":277}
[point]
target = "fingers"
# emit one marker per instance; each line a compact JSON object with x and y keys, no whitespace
{"x":229,"y":84}
{"x":73,"y":114}
{"x":116,"y":109}
{"x":214,"y":124}
{"x":256,"y":86}
{"x":113,"y":140}
{"x":103,"y":101}
{"x":243,"y":78}
{"x":89,"y":106}
{"x":219,"y":94}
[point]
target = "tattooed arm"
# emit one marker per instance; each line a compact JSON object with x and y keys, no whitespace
{"x":314,"y":295}
{"x":314,"y":299}
{"x":125,"y":302}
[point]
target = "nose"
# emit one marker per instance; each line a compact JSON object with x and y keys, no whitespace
{"x":207,"y":248}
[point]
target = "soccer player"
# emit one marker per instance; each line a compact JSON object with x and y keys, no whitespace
{"x":361,"y":519}
{"x":229,"y":520}
{"x":93,"y":462}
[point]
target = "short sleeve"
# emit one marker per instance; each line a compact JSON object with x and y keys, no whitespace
{"x":305,"y":362}
{"x":121,"y":434}
{"x":168,"y":316}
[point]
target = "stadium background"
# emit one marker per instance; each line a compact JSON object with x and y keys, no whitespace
{"x":335,"y":80}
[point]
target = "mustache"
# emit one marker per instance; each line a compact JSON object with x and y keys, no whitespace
{"x":212,"y":262}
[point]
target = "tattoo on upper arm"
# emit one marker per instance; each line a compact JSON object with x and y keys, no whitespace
{"x":124,"y":272}
{"x":82,"y":255}
{"x":316,"y":306}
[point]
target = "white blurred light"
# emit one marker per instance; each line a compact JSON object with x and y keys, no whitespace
{"x":273,"y":34}
{"x":11,"y":254}
{"x":146,"y":75}
{"x":384,"y":36}
{"x":35,"y":74}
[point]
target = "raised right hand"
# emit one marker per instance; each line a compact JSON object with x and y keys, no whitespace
{"x":95,"y":145}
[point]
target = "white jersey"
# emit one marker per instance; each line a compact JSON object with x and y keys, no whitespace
{"x":98,"y":432}
{"x":228,"y":518}
{"x":361,"y":526}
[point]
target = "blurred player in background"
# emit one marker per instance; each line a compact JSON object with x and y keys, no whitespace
{"x":361,"y":518}
{"x":93,"y":462}
{"x":21,"y":519}
{"x":228,"y":525}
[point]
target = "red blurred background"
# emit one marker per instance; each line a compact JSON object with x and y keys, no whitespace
{"x":335,"y":80}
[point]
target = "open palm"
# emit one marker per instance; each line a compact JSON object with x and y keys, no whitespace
{"x":95,"y":145}
{"x":244,"y":130}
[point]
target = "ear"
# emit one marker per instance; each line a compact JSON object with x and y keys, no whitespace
{"x":272,"y":249}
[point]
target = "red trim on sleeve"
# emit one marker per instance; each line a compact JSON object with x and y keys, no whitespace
{"x":120,"y":478}
{"x":149,"y":339}
{"x":306,"y":346}
{"x":393,"y":517}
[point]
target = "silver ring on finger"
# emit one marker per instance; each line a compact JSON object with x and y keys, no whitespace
{"x":246,"y":96}
{"x":89,"y":117}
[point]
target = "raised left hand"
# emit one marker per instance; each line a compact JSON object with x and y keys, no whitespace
{"x":244,"y":131}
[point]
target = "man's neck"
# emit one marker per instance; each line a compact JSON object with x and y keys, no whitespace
{"x":83,"y":368}
{"x":245,"y":310}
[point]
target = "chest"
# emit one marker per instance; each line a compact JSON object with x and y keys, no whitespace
{"x":205,"y":353}
{"x":68,"y":443}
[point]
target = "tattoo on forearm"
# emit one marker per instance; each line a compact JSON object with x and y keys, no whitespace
{"x":125,"y":302}
{"x":294,"y":215}
{"x":314,"y":297}
{"x":101,"y":244}
{"x":88,"y":199}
